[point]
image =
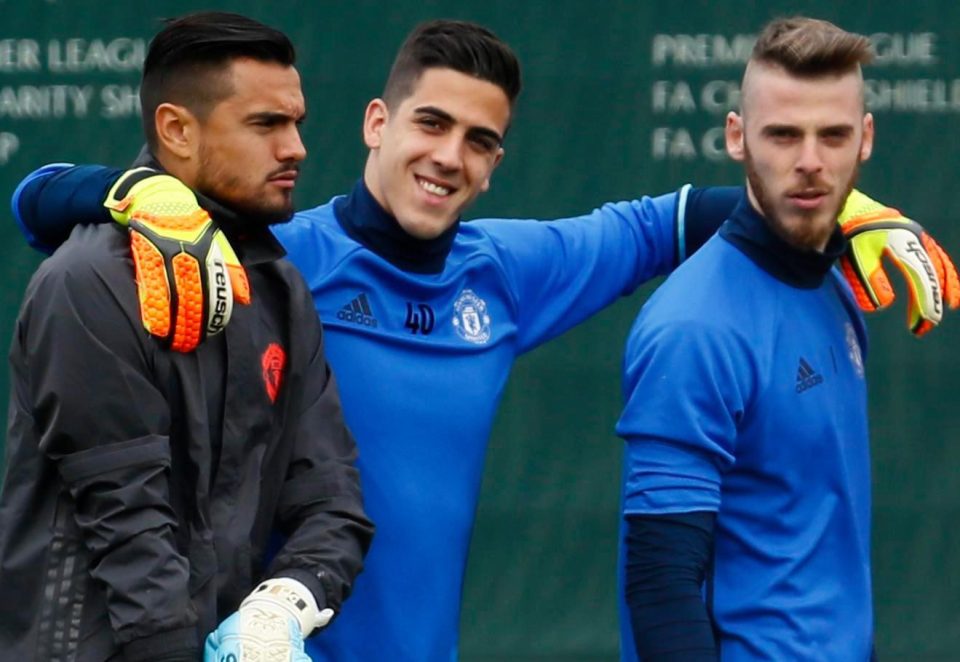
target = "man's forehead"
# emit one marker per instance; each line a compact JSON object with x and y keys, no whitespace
{"x":769,"y":88}
{"x":262,"y":86}
{"x":462,"y":97}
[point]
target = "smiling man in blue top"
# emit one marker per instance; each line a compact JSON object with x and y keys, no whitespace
{"x":747,"y":485}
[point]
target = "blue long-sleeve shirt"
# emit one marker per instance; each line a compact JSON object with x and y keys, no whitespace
{"x":745,"y":396}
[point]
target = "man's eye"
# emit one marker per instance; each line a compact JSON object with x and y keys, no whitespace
{"x":835,"y":137}
{"x":485,"y":144}
{"x":429,"y":123}
{"x":783,"y":134}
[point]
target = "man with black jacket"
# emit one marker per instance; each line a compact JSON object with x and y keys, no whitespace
{"x":142,"y":483}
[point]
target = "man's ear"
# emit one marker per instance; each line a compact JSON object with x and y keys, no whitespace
{"x":496,"y":161}
{"x":866,"y":145}
{"x":374,"y":119}
{"x":733,"y":133}
{"x":177,"y":130}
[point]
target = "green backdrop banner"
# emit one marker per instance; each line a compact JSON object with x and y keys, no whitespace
{"x":621,"y":98}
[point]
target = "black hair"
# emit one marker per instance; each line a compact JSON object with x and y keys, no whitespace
{"x":188,"y":57}
{"x":459,"y":45}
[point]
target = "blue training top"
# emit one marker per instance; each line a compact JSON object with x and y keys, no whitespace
{"x":745,"y":395}
{"x":422,"y":361}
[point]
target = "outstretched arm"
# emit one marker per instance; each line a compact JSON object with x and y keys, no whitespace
{"x":700,"y":213}
{"x":51,"y":200}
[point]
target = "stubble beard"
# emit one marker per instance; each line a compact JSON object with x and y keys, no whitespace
{"x":215,"y":183}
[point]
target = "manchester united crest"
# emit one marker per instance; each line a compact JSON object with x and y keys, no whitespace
{"x":272,"y":362}
{"x":470,"y":318}
{"x":853,"y":347}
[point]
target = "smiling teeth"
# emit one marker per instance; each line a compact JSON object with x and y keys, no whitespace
{"x":435,"y":189}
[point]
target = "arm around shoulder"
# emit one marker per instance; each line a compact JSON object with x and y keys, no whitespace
{"x":51,"y":200}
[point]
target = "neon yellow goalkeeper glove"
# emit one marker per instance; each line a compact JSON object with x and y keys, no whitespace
{"x":188,"y":275}
{"x":875,"y":231}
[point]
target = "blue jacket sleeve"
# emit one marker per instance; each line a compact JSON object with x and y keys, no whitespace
{"x":687,"y":383}
{"x":51,"y":200}
{"x":700,"y":213}
{"x":564,"y":271}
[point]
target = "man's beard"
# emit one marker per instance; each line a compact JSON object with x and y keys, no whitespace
{"x":802,"y":235}
{"x":212,"y":182}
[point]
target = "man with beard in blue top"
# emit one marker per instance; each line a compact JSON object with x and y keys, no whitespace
{"x":747,"y":482}
{"x":424,"y":316}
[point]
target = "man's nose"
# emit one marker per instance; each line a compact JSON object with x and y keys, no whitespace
{"x":810,"y":160}
{"x":448,"y":152}
{"x":291,"y":147}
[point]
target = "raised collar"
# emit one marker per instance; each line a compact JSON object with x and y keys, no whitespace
{"x":748,"y":231}
{"x":366,"y":222}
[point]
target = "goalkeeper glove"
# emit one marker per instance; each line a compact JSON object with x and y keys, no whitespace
{"x":188,"y":276}
{"x":875,"y":231}
{"x":271,"y":624}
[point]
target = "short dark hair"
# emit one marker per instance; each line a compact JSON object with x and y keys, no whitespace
{"x":187,"y":58}
{"x":811,"y":47}
{"x":459,"y":45}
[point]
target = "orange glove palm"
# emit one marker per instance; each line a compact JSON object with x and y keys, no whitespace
{"x":188,"y":276}
{"x":875,"y":232}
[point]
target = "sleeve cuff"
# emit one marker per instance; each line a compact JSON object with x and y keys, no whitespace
{"x":40,"y":173}
{"x":169,"y":646}
{"x":309,"y":579}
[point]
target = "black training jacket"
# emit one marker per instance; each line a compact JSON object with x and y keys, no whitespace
{"x":142,"y":485}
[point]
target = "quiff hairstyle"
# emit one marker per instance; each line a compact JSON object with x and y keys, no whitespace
{"x":809,"y":47}
{"x":187,"y":61}
{"x":465,"y":47}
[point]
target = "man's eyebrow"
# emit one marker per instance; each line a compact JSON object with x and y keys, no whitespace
{"x":441,"y":114}
{"x":274,"y":116}
{"x":838,"y":128}
{"x":792,"y":129}
{"x":780,"y":128}
{"x":436,"y":112}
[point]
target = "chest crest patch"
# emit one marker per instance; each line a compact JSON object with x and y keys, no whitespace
{"x":470,"y":318}
{"x":272,"y":362}
{"x":853,"y":349}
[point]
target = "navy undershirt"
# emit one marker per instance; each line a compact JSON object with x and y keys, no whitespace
{"x":366,"y":222}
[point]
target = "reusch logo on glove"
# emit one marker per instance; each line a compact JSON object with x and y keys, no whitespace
{"x":219,"y":297}
{"x":921,"y":255}
{"x":272,"y":362}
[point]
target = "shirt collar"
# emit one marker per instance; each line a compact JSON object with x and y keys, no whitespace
{"x":366,"y":222}
{"x":751,"y":234}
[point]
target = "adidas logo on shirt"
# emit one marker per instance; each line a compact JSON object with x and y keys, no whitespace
{"x":358,"y":311}
{"x":807,"y":377}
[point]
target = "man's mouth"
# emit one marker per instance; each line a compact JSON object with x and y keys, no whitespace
{"x":808,"y":198}
{"x":284,"y":178}
{"x":433,"y":188}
